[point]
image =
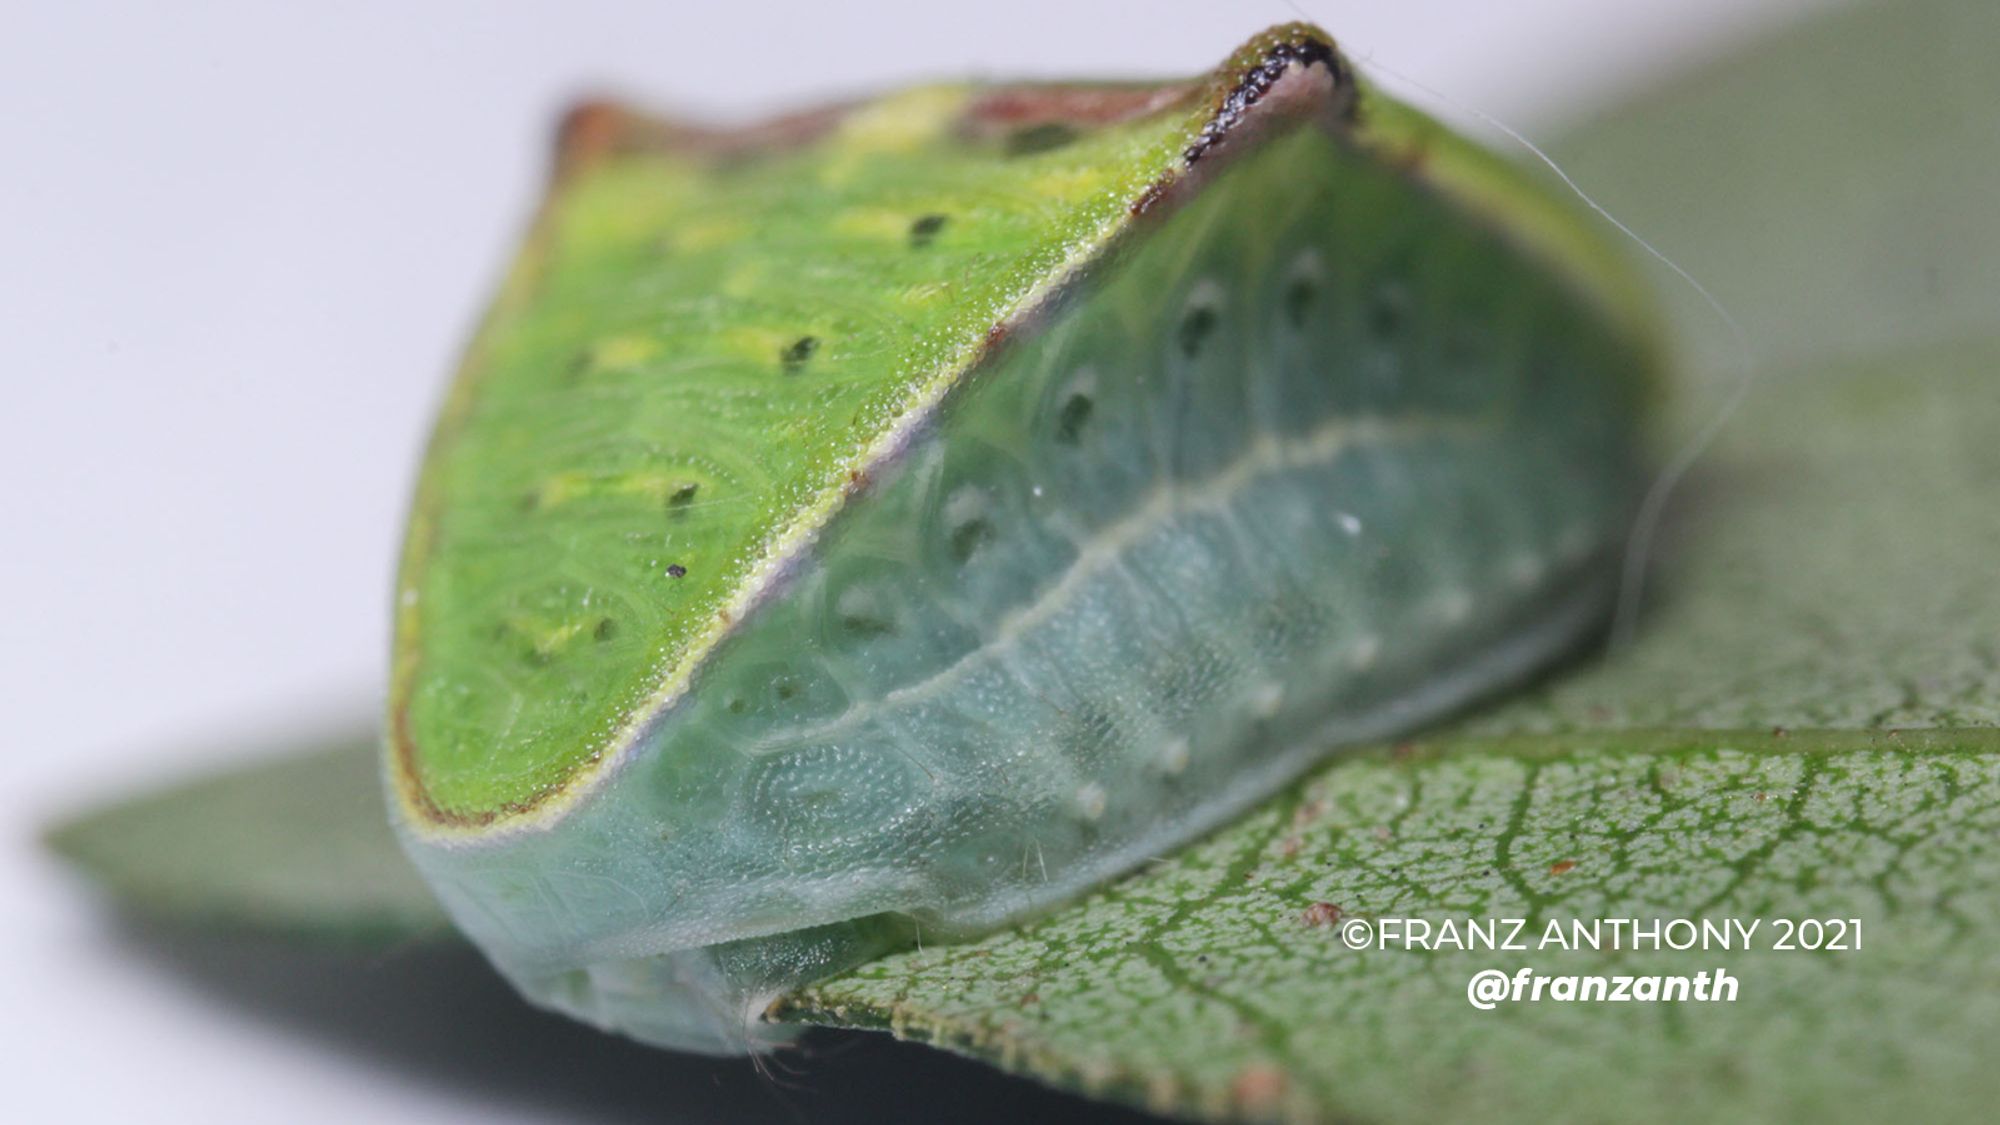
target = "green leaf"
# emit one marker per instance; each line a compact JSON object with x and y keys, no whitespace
{"x":296,"y":846}
{"x":1833,"y":186}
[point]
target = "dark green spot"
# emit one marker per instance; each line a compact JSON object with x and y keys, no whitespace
{"x":793,"y":358}
{"x":925,"y":229}
{"x":862,"y":625}
{"x":1070,"y":420}
{"x":861,"y":615}
{"x":1299,"y":298}
{"x":968,"y":537}
{"x":1196,"y":327}
{"x":866,"y":624}
{"x":1388,"y":310}
{"x":606,"y":629}
{"x":1047,"y":136}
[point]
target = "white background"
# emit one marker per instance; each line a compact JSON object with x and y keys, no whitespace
{"x":239,"y":245}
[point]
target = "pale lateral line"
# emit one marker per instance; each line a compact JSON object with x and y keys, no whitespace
{"x":1265,"y":456}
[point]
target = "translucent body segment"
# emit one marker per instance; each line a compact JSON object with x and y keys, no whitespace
{"x":1315,"y":460}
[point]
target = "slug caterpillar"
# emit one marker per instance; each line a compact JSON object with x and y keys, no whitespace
{"x":904,"y":516}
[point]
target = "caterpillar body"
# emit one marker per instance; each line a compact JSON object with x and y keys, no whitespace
{"x":900,"y":518}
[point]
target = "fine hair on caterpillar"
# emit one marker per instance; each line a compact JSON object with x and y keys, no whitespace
{"x":1640,"y":543}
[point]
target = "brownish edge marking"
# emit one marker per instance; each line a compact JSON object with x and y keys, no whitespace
{"x":1254,"y":70}
{"x":1147,"y":199}
{"x":595,"y":130}
{"x":1003,"y":109}
{"x":589,"y":132}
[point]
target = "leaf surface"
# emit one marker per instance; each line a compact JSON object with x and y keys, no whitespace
{"x":1832,"y":185}
{"x":294,"y":846}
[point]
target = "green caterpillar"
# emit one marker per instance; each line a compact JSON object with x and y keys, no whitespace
{"x":898,"y":518}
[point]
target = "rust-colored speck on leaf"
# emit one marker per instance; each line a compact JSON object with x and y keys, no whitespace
{"x":1257,"y":1088}
{"x":1322,"y":914}
{"x":1562,"y":866}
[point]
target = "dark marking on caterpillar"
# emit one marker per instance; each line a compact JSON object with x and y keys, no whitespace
{"x":793,"y":358}
{"x":1388,"y":308}
{"x":968,"y":537}
{"x":1009,"y":108}
{"x":925,"y":229}
{"x":1070,"y":421}
{"x":1046,"y":136}
{"x":676,"y":570}
{"x":1195,"y":329}
{"x":1258,"y":80}
{"x":1155,"y":191}
{"x":1299,"y":297}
